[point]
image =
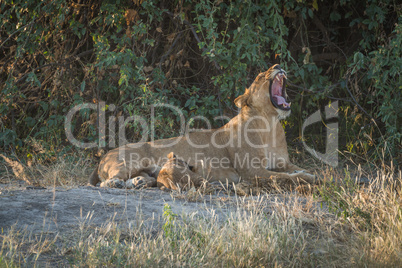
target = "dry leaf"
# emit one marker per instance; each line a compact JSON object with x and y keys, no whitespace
{"x":159,"y":30}
{"x":306,"y":59}
{"x":148,"y":69}
{"x":171,"y":37}
{"x":138,"y":2}
{"x":179,"y":64}
{"x":131,"y":16}
{"x":18,"y":169}
{"x":128,"y":32}
{"x":180,"y":53}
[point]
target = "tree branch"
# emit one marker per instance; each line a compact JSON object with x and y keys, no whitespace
{"x":11,"y":35}
{"x":204,"y":50}
{"x":170,"y":49}
{"x":67,"y":61}
{"x":353,"y":98}
{"x":196,"y":38}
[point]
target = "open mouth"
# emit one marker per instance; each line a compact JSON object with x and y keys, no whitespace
{"x":278,"y":92}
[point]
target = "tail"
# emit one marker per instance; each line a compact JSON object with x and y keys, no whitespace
{"x":94,"y":177}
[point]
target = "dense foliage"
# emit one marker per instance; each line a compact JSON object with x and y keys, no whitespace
{"x":199,"y":56}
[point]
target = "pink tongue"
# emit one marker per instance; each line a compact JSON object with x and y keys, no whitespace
{"x":281,"y":100}
{"x":276,"y":89}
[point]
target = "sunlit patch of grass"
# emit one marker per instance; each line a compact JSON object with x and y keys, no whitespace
{"x":20,"y":247}
{"x":374,"y":215}
{"x":64,"y":171}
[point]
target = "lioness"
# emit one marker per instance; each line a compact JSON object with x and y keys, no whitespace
{"x":251,"y":145}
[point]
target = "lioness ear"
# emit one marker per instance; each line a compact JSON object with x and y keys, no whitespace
{"x":171,"y":155}
{"x":242,"y":100}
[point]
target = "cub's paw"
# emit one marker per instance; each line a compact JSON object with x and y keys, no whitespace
{"x":140,"y":182}
{"x":113,"y":183}
{"x":220,"y":186}
{"x":242,"y":188}
{"x":136,"y":183}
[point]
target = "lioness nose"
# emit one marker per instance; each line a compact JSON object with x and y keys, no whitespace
{"x":278,"y":67}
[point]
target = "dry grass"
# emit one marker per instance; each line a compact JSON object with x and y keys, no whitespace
{"x":344,"y":225}
{"x":61,"y":171}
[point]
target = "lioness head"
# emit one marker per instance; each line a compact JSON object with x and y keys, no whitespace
{"x":267,"y":93}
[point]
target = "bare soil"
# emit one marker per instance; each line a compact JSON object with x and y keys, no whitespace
{"x":57,"y":209}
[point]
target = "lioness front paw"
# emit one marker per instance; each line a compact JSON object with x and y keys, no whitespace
{"x":298,"y":171}
{"x":310,"y":178}
{"x":304,"y":175}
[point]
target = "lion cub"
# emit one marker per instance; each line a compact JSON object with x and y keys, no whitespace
{"x":176,"y":173}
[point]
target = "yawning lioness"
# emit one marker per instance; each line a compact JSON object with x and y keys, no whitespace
{"x":251,"y":145}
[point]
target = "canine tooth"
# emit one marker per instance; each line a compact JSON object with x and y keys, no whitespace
{"x":290,"y":104}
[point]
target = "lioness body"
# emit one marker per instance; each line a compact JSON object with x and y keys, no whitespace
{"x":250,"y":145}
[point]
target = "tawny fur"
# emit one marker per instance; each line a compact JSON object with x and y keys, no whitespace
{"x":176,"y":173}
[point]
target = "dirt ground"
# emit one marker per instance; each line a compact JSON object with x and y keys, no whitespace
{"x":58,"y":209}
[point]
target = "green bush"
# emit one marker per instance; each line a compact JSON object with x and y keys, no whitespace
{"x":198,"y":56}
{"x":380,"y":73}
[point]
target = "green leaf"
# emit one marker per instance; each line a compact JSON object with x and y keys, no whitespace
{"x":83,"y":86}
{"x":310,"y":13}
{"x":315,"y":5}
{"x":187,"y":103}
{"x":335,"y":16}
{"x":30,"y":121}
{"x":301,"y":72}
{"x":44,"y":105}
